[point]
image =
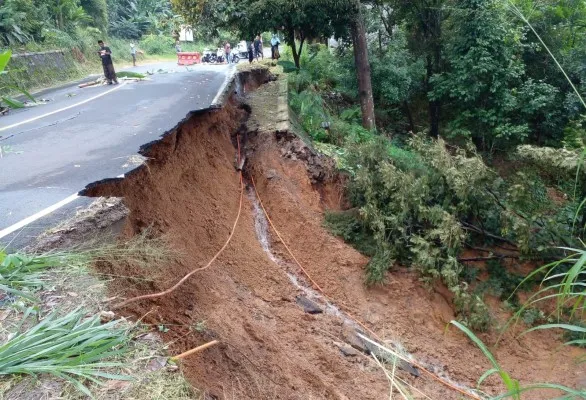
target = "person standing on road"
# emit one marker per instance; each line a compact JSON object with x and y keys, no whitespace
{"x":177,"y":46}
{"x":227,"y":52}
{"x":250,"y":52}
{"x":106,"y":55}
{"x":257,"y":47}
{"x":275,"y":42}
{"x":133,"y":54}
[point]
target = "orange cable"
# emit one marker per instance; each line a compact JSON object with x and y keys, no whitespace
{"x":186,"y":277}
{"x":434,"y":376}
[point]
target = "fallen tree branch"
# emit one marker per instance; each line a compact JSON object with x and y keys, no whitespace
{"x":497,"y":257}
{"x":487,"y":234}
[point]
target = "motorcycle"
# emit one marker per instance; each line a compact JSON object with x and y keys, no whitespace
{"x":209,"y":56}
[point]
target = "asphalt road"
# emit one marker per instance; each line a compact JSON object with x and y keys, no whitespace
{"x":49,"y":159}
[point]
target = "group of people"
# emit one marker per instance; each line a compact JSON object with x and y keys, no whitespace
{"x":255,"y":49}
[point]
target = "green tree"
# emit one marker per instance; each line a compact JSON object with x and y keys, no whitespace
{"x":484,"y":71}
{"x":98,"y":10}
{"x":22,"y":21}
{"x":423,"y":21}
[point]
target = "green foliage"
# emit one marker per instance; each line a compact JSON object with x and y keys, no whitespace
{"x":98,"y":11}
{"x":153,"y":44}
{"x":512,"y":385}
{"x":483,"y":75}
{"x":71,"y":347}
{"x":349,"y":226}
{"x":6,"y":85}
{"x":411,"y":201}
{"x":131,"y":19}
{"x":501,"y":283}
{"x":471,"y":309}
{"x":397,"y":73}
{"x":563,"y":282}
{"x":19,"y":19}
{"x":21,"y":275}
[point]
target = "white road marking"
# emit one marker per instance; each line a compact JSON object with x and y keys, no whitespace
{"x":21,"y":224}
{"x":227,"y":80}
{"x":43,"y":213}
{"x":34,"y":217}
{"x":4,"y":128}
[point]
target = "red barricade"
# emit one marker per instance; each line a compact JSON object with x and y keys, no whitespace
{"x":185,"y":58}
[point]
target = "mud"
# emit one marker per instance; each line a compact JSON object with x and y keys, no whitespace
{"x":270,"y":347}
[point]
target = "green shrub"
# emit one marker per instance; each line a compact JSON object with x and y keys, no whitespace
{"x":157,"y":44}
{"x":471,"y":309}
{"x":348,"y":225}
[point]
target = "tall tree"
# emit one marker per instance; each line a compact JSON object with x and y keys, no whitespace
{"x":484,"y":79}
{"x":363,"y":69}
{"x":300,"y":21}
{"x":98,"y":10}
{"x":423,"y":20}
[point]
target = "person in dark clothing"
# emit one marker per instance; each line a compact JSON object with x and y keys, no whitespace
{"x":250,"y":52}
{"x":257,"y":47}
{"x":106,"y":54}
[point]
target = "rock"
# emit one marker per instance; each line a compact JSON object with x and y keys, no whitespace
{"x":350,"y":337}
{"x":157,"y":363}
{"x":346,"y":349}
{"x":107,"y":316}
{"x":349,"y":334}
{"x":309,"y":306}
{"x":271,"y":174}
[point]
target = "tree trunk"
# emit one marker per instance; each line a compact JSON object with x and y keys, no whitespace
{"x":363,"y":72}
{"x":59,"y":15}
{"x":293,"y":44}
{"x":409,"y":116}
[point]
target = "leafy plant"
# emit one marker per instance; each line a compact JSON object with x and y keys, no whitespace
{"x":564,"y":283}
{"x":71,"y":347}
{"x":21,"y":275}
{"x":512,"y":385}
{"x":6,"y":88}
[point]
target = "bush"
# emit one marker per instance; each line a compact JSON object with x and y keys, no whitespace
{"x":157,"y":44}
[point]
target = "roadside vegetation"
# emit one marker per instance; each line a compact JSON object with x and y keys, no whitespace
{"x":75,"y":26}
{"x":475,"y":175}
{"x":52,"y":329}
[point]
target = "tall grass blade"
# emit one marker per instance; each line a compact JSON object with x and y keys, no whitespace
{"x":511,"y":384}
{"x":70,"y":347}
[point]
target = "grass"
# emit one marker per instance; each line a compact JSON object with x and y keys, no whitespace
{"x":563,"y":283}
{"x":512,"y":386}
{"x":22,"y":275}
{"x":67,"y":350}
{"x":70,"y":347}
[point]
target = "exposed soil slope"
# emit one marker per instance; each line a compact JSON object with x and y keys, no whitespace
{"x":271,"y":348}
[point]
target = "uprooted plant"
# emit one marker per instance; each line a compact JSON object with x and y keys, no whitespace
{"x":424,"y":204}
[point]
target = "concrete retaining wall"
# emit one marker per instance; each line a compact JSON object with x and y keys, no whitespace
{"x":43,"y":69}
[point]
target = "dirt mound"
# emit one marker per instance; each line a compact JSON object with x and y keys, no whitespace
{"x":270,"y":347}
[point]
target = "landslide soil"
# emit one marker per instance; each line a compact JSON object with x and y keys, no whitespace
{"x":270,"y":349}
